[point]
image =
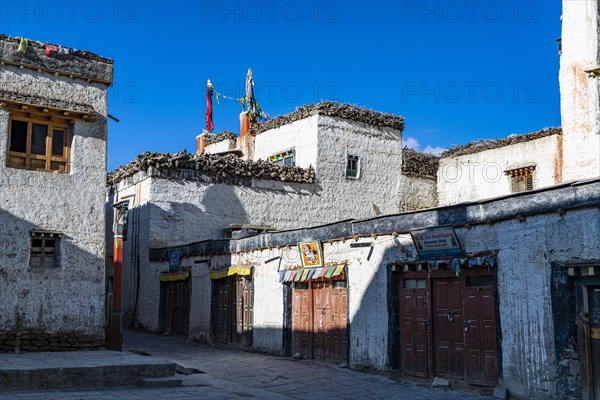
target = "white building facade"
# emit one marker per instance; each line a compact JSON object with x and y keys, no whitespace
{"x":53,"y":134}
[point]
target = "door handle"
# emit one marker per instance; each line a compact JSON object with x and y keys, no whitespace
{"x":467,"y":324}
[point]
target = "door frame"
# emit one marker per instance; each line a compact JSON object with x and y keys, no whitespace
{"x":395,"y":278}
{"x":311,"y":290}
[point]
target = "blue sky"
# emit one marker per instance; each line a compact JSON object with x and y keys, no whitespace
{"x":458,"y":71}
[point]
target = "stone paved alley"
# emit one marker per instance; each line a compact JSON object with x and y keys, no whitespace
{"x":230,"y":374}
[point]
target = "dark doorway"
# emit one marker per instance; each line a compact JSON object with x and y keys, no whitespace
{"x":588,"y":329}
{"x":175,"y":307}
{"x":233,"y":319}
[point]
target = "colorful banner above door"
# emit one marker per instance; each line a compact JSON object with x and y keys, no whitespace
{"x":306,"y":274}
{"x":311,"y":254}
{"x":438,"y":242}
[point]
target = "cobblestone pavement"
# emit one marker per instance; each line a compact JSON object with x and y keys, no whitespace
{"x":229,"y":374}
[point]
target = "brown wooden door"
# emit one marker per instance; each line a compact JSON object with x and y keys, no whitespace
{"x":247,"y":311}
{"x":175,"y":307}
{"x":588,"y":324}
{"x":447,"y":324}
{"x":234,"y":310}
{"x":223,"y":323}
{"x":181,"y":307}
{"x":414,"y":323}
{"x":302,"y":322}
{"x":479,"y":327}
{"x":339,"y":322}
{"x":320,"y":320}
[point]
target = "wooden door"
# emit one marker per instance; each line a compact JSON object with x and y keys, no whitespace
{"x":247,"y":311}
{"x":447,"y":324}
{"x":181,"y":307}
{"x":321,"y":315}
{"x":479,"y":327}
{"x":223,"y":320}
{"x":339,"y":321}
{"x":588,"y":326}
{"x":414,"y":325}
{"x":302,"y":310}
{"x":320,"y":320}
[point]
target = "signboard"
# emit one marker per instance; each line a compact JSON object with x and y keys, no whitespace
{"x":174,"y":265}
{"x":311,"y":254}
{"x":438,"y":242}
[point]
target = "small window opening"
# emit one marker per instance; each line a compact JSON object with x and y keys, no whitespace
{"x":286,"y":158}
{"x":352,"y":166}
{"x":521,"y":179}
{"x":45,"y":250}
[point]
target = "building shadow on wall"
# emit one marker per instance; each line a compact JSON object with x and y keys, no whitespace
{"x":33,"y":297}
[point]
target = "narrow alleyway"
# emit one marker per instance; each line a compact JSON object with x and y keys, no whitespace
{"x":228,"y":374}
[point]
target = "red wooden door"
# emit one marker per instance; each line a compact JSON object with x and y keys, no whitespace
{"x":339,"y":321}
{"x":302,"y":322}
{"x":447,"y":324}
{"x":320,"y":320}
{"x":479,"y":327}
{"x":322,"y":314}
{"x":414,"y":322}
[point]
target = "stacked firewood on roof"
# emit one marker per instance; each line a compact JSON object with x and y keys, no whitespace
{"x":212,"y":138}
{"x":481,"y":145}
{"x":419,"y":164}
{"x":333,"y":109}
{"x":218,"y":165}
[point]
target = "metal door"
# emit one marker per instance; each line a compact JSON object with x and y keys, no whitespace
{"x":414,"y":325}
{"x":479,"y":327}
{"x":447,"y":324}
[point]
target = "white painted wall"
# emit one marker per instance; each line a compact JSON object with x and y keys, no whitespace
{"x":220,"y":147}
{"x":526,"y":251}
{"x":580,"y":94}
{"x":481,"y":175}
{"x":300,"y":135}
{"x":70,"y":298}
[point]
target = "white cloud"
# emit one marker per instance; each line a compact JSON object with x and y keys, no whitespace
{"x":434,"y":150}
{"x":412,"y":143}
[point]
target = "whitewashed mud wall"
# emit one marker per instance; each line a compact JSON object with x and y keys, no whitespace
{"x":477,"y":176}
{"x":70,"y":298}
{"x":579,"y":93}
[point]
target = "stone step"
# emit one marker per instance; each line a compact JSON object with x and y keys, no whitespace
{"x":79,"y":369}
{"x":161,"y":382}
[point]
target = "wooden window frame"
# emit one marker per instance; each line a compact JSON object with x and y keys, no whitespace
{"x":48,"y":259}
{"x":521,"y":179}
{"x":53,"y":123}
{"x":352,"y":173}
{"x":283,"y":156}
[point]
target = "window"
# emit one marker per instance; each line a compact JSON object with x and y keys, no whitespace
{"x":521,"y":179}
{"x":414,"y":284}
{"x":287,"y":158}
{"x":38,"y":145}
{"x":45,"y":250}
{"x":352,"y":166}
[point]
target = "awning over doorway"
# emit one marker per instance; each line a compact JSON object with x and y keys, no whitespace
{"x":174,"y":276}
{"x":241,"y":271}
